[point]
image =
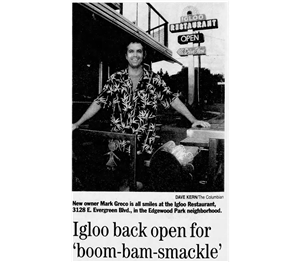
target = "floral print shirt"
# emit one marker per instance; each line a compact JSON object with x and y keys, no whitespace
{"x":134,"y":112}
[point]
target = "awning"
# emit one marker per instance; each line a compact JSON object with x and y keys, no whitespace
{"x":107,"y":13}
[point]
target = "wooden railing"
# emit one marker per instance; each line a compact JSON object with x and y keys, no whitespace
{"x":93,"y":135}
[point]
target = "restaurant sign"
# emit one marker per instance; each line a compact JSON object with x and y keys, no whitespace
{"x":193,"y":38}
{"x":199,"y":50}
{"x":195,"y":25}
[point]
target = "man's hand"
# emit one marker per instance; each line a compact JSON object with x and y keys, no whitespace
{"x":182,"y":109}
{"x":200,"y":123}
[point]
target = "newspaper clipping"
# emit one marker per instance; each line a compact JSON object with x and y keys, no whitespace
{"x":148,"y":157}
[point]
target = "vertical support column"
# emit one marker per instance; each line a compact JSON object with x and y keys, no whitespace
{"x":166,"y":34}
{"x":191,"y":80}
{"x":137,"y":14}
{"x":191,"y":77}
{"x":100,"y":79}
{"x":121,"y":8}
{"x":132,"y":179}
{"x":212,"y":161}
{"x":149,"y":19}
{"x":199,"y":68}
{"x":199,"y":90}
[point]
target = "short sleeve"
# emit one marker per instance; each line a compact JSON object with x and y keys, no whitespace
{"x":164,"y":93}
{"x":104,"y":98}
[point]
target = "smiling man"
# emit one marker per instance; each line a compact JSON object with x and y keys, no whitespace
{"x":133,"y":95}
{"x":135,"y":56}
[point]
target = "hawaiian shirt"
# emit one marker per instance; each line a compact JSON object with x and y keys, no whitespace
{"x":134,"y":112}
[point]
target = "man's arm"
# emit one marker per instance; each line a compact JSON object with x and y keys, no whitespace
{"x":182,"y":109}
{"x":90,"y":112}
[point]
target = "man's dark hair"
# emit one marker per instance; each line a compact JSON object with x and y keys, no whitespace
{"x":134,"y":40}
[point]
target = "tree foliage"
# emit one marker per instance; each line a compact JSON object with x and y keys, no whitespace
{"x":210,"y":89}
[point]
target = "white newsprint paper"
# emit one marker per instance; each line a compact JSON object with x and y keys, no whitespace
{"x":119,"y":217}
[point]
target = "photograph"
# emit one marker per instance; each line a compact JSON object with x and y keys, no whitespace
{"x":148,"y":96}
{"x":149,"y":176}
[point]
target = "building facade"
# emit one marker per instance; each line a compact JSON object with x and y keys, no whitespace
{"x":100,"y":33}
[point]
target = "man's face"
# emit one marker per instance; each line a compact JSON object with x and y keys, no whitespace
{"x":134,"y":55}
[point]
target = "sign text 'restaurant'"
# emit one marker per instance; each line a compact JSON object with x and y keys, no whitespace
{"x":196,"y":25}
